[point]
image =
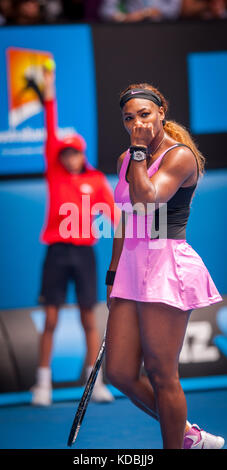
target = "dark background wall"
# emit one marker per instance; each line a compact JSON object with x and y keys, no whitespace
{"x":157,"y":54}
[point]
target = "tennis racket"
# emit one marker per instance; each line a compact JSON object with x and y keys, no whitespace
{"x":83,"y":404}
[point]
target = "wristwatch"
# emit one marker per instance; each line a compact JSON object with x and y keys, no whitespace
{"x":138,"y":153}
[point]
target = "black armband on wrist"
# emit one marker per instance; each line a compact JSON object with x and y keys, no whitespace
{"x":110,"y":275}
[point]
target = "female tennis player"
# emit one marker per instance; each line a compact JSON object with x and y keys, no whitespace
{"x":153,"y":282}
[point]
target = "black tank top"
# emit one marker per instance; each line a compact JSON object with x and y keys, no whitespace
{"x":178,"y":211}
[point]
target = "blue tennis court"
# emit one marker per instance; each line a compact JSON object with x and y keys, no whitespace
{"x":117,"y":425}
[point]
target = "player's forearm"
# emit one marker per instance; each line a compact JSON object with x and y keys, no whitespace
{"x":50,"y":118}
{"x":49,"y":92}
{"x":118,"y":242}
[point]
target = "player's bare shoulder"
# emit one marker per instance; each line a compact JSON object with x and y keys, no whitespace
{"x":120,"y":161}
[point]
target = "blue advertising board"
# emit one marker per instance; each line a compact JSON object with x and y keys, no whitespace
{"x":22,"y":132}
{"x":207,"y":91}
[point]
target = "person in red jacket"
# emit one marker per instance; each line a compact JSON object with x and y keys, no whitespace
{"x":74,"y":188}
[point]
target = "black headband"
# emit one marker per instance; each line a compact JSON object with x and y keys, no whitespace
{"x":143,"y":93}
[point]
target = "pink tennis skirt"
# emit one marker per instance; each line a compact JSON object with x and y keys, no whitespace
{"x":166,"y":270}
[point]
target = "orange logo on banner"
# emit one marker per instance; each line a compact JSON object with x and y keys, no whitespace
{"x":24,"y":67}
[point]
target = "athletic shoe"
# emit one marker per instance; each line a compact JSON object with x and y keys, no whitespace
{"x":41,"y":396}
{"x":197,"y":438}
{"x":101,"y":394}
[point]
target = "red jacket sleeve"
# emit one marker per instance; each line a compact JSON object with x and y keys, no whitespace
{"x":52,"y":142}
{"x":106,"y":195}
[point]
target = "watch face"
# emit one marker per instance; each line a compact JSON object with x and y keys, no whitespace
{"x":138,"y":155}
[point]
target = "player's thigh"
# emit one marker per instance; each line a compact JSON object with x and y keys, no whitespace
{"x":162,"y":329}
{"x":123,"y":346}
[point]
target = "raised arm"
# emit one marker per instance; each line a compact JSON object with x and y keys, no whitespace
{"x":50,"y":113}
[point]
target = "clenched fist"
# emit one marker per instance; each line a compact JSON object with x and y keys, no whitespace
{"x":142,"y":134}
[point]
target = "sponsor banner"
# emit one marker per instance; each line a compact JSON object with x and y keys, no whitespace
{"x":22,"y":56}
{"x":23,"y":66}
{"x":204,"y":351}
